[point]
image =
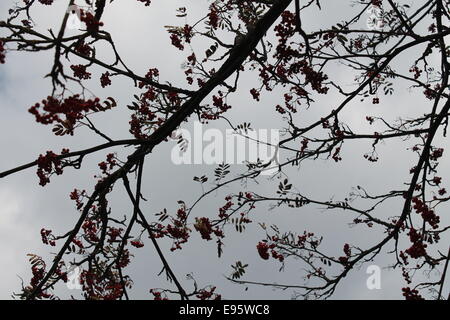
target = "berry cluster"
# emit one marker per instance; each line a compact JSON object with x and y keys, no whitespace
{"x":105,"y":80}
{"x":344,"y":260}
{"x":205,"y":294}
{"x":64,"y":112}
{"x":411,"y":294}
{"x":83,"y":48}
{"x":427,"y":214}
{"x":277,"y":256}
{"x":431,"y":93}
{"x":301,"y":240}
{"x":77,"y":196}
{"x":47,"y":237}
{"x":304,"y":146}
{"x":38,"y":271}
{"x":418,"y":249}
{"x":336,"y":155}
{"x":114,"y":233}
{"x":109,"y":164}
{"x":223,"y":210}
{"x":92,"y":24}
{"x":213,"y":17}
{"x":314,"y":78}
{"x":90,"y":228}
{"x":255,"y":94}
{"x":220,"y":105}
{"x":2,"y":52}
{"x":78,"y":243}
{"x":178,"y":35}
{"x":204,"y":226}
{"x":178,"y":230}
{"x":436,"y":154}
{"x":137,"y":244}
{"x":377,"y":3}
{"x":38,"y":274}
{"x":140,"y":120}
{"x":263,"y":249}
{"x":417,"y":72}
{"x":47,"y":165}
{"x":284,"y":31}
{"x":157,"y":295}
{"x":176,"y":41}
{"x":79,"y":71}
{"x":46,"y":2}
{"x":97,"y":287}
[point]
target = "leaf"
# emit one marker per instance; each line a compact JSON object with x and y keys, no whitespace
{"x":245,"y":127}
{"x":201,"y":179}
{"x":239,"y":270}
{"x":221,"y":171}
{"x":284,"y":187}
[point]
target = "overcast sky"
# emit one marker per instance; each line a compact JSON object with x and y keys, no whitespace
{"x":139,"y":33}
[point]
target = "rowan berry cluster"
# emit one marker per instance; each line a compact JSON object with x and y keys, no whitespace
{"x":2,"y":52}
{"x":377,"y":3}
{"x":83,"y":48}
{"x":64,"y":112}
{"x":284,"y":31}
{"x":47,"y":165}
{"x":178,"y":35}
{"x":347,"y":251}
{"x":427,"y":214}
{"x":223,"y":210}
{"x":411,"y":294}
{"x":431,"y":93}
{"x":312,"y":77}
{"x":277,"y":256}
{"x":205,"y":228}
{"x":205,"y":294}
{"x":255,"y":94}
{"x":336,"y":155}
{"x":78,"y":243}
{"x":417,"y":72}
{"x":78,"y":196}
{"x":304,"y":146}
{"x":109,"y":164}
{"x":92,"y":24}
{"x":213,"y":17}
{"x":301,"y":240}
{"x":105,"y":80}
{"x":418,"y":249}
{"x":157,"y":295}
{"x":436,"y":154}
{"x":47,"y":237}
{"x":280,"y":109}
{"x":263,"y":249}
{"x":114,"y":233}
{"x":96,"y":287}
{"x":220,"y":108}
{"x":140,"y":120}
{"x":38,"y":272}
{"x":79,"y":71}
{"x":90,"y":228}
{"x":137,"y":244}
{"x":178,"y":230}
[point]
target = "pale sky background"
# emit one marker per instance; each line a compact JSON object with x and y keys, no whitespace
{"x":139,"y":33}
